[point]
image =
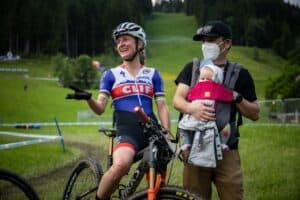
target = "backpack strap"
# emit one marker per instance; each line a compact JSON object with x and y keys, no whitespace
{"x":194,"y":79}
{"x":223,"y":109}
{"x":195,"y":71}
{"x":232,"y":74}
{"x":234,"y":70}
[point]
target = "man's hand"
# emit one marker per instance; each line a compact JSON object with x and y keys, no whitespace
{"x":202,"y":111}
{"x":78,"y":94}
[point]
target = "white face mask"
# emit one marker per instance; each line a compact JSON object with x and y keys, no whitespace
{"x":210,"y":50}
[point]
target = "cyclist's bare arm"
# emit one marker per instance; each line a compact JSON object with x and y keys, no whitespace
{"x":163,"y":113}
{"x":99,"y":105}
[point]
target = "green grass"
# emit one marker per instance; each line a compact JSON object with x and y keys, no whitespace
{"x":37,"y":159}
{"x":269,"y":153}
{"x":269,"y":156}
{"x":270,"y":160}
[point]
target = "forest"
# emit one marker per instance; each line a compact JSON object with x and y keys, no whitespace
{"x":73,"y":27}
{"x":261,"y":23}
{"x":76,"y":27}
{"x":83,"y":27}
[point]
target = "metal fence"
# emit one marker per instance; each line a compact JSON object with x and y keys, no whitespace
{"x":279,"y":111}
{"x":271,"y":111}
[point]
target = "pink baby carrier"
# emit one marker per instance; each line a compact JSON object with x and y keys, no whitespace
{"x":210,"y":90}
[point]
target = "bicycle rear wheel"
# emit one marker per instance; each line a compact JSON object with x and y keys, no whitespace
{"x":168,"y":192}
{"x":12,"y":186}
{"x":83,"y":181}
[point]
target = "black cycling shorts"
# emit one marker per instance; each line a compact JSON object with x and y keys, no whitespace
{"x":130,"y":131}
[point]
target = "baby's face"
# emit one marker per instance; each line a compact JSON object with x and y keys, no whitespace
{"x":206,"y":74}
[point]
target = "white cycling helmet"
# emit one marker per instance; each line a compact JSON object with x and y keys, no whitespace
{"x":129,"y":28}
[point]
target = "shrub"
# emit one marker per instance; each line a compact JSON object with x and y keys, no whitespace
{"x":286,"y":85}
{"x":76,"y":71}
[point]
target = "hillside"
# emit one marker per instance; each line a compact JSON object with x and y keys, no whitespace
{"x":170,"y":46}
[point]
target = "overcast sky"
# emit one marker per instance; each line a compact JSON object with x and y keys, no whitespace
{"x":293,"y":2}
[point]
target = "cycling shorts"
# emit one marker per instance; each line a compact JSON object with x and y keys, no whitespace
{"x":129,"y":130}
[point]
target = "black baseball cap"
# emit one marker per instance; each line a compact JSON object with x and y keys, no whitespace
{"x":213,"y":29}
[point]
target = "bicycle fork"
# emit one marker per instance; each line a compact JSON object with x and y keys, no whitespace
{"x":154,"y":179}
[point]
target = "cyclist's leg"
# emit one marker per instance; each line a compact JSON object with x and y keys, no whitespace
{"x":198,"y":179}
{"x":229,"y":178}
{"x":122,"y":160}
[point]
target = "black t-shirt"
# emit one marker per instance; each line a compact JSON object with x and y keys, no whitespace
{"x":244,"y":84}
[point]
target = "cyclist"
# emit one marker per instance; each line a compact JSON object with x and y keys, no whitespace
{"x":130,"y":84}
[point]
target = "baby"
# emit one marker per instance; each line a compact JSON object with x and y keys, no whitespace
{"x":208,"y":73}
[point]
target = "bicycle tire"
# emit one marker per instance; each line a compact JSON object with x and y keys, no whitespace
{"x":84,"y":178}
{"x":13,"y":186}
{"x":168,"y":193}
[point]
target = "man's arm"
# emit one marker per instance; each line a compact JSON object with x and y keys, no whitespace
{"x":249,"y":109}
{"x":249,"y":106}
{"x":197,"y":109}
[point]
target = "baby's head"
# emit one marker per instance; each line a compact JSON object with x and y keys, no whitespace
{"x":206,"y":74}
{"x":211,"y":72}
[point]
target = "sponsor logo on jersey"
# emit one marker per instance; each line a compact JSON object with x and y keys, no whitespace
{"x":132,"y":89}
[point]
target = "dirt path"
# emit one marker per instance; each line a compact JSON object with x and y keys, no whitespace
{"x":56,"y":179}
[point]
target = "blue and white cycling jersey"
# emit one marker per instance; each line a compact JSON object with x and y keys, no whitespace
{"x":128,"y":91}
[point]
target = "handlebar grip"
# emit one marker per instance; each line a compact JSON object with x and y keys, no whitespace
{"x":138,"y":110}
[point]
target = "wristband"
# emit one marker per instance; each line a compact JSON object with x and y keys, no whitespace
{"x":239,"y":98}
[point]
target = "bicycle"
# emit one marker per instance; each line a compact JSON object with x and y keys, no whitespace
{"x":153,"y":160}
{"x":12,"y":186}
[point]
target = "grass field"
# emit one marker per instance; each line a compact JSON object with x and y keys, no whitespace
{"x":270,"y":154}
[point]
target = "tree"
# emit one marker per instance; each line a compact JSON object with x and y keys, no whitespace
{"x":284,"y":43}
{"x":294,"y":54}
{"x":262,"y":23}
{"x":286,"y":85}
{"x":75,"y":71}
{"x":255,"y":32}
{"x":145,"y":6}
{"x":73,"y":27}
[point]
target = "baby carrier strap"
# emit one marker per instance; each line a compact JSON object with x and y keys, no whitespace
{"x":195,"y":71}
{"x":232,"y":74}
{"x":223,"y":109}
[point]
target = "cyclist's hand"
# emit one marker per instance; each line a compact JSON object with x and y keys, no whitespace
{"x":168,"y":135}
{"x":78,"y":94}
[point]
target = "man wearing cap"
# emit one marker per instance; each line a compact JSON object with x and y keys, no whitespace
{"x":216,"y":40}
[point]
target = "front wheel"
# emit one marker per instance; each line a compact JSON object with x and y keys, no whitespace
{"x":83,"y":181}
{"x":168,"y":192}
{"x":12,"y":186}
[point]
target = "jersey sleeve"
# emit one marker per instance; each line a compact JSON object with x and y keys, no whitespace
{"x":106,"y":82}
{"x":245,"y":85}
{"x":158,"y":84}
{"x":185,"y":75}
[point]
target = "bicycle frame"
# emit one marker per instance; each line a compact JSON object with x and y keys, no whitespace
{"x":146,"y":167}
